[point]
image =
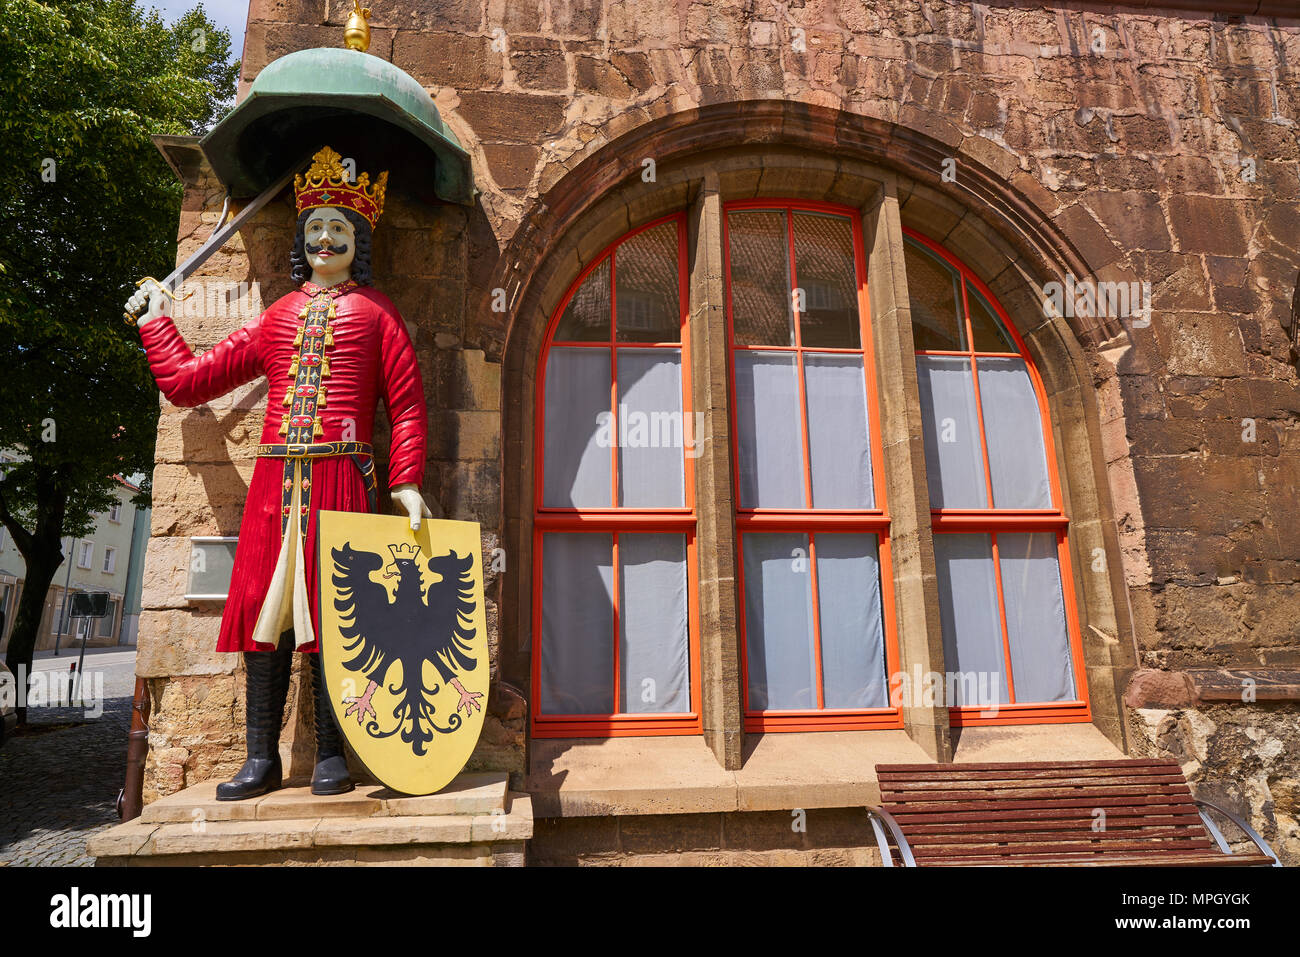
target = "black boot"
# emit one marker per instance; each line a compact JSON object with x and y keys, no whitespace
{"x":331,"y":773}
{"x":266,"y":686}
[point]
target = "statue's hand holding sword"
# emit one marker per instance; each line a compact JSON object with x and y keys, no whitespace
{"x":149,"y":302}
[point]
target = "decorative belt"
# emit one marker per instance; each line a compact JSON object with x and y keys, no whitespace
{"x":315,"y":450}
{"x":361,"y":453}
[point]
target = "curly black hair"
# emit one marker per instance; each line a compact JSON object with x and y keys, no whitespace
{"x":300,"y":269}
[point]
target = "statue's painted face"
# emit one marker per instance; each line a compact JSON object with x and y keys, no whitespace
{"x":330,"y":241}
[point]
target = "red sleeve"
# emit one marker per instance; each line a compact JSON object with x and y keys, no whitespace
{"x":188,"y":380}
{"x":404,"y":398}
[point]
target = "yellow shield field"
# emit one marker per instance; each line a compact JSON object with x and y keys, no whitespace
{"x":403,"y":639}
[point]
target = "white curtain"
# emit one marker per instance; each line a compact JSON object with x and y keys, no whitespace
{"x":576,"y":463}
{"x":654,"y":649}
{"x":651,"y":428}
{"x":1036,"y":630}
{"x":853,"y":642}
{"x":953,"y":460}
{"x":1013,"y":427}
{"x":577,"y":623}
{"x":770,"y":435}
{"x":778,"y":622}
{"x":840,"y":446}
{"x":968,"y":612}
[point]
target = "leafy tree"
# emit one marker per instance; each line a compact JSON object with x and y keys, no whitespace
{"x":87,"y":205}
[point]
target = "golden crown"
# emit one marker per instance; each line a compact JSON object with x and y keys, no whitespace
{"x":326,"y":183}
{"x":411,"y":552}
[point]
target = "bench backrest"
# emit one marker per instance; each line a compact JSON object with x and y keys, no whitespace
{"x":1045,"y":810}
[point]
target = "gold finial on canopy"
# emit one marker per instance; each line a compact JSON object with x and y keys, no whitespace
{"x":356,"y":32}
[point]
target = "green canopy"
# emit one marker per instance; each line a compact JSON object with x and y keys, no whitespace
{"x":362,"y":106}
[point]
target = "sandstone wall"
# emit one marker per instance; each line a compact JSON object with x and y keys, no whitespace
{"x":1162,"y":147}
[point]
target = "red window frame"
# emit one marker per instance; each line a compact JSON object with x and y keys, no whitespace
{"x":810,"y":521}
{"x":991,"y":521}
{"x":617,"y":519}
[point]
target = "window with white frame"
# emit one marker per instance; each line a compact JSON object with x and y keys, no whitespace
{"x":86,"y":555}
{"x":110,"y":560}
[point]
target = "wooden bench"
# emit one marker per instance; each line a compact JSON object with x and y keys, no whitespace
{"x":1112,"y":813}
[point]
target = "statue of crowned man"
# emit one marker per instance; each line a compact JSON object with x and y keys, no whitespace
{"x":331,"y":350}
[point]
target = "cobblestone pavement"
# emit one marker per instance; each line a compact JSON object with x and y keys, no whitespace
{"x":58,"y":785}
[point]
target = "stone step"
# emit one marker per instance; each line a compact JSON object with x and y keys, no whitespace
{"x":468,"y":794}
{"x":474,"y":821}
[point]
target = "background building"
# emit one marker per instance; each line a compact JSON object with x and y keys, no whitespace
{"x":812,"y":230}
{"x":109,"y":559}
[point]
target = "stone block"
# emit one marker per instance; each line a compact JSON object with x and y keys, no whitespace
{"x":424,"y":829}
{"x":448,"y":59}
{"x":174,"y":642}
{"x":122,"y":840}
{"x":1208,"y":224}
{"x":473,"y":794}
{"x":1159,"y":689}
{"x":299,"y":803}
{"x":198,"y":805}
{"x":230,"y":837}
{"x":513,"y":117}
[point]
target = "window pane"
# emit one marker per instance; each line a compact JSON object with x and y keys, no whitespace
{"x":654,"y":646}
{"x":953,"y":460}
{"x":586,"y":317}
{"x":768,"y":430}
{"x":645,"y":281}
{"x":1040,"y":644}
{"x":936,"y":304}
{"x":106,"y":623}
{"x":840,"y":449}
{"x":650,"y":428}
{"x":853,"y":641}
{"x":986,"y":328}
{"x":576,"y":463}
{"x":778,"y":623}
{"x":761,"y":308}
{"x":968,"y":612}
{"x":1013,"y":428}
{"x":825,"y":271}
{"x":577,"y":624}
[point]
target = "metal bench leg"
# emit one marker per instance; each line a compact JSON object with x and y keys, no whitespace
{"x":880,"y":816}
{"x":1249,"y":831}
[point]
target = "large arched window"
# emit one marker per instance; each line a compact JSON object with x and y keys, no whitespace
{"x":614,"y":522}
{"x":812,"y":529}
{"x":1010,"y":629}
{"x":803,"y":630}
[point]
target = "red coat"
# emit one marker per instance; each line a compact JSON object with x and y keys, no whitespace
{"x":371,"y":358}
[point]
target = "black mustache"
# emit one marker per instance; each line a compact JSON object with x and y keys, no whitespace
{"x":334,"y":249}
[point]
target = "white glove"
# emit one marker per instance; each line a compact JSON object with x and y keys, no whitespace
{"x":153,"y":294}
{"x":407,"y":498}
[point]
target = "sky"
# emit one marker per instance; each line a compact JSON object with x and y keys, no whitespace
{"x":228,"y":14}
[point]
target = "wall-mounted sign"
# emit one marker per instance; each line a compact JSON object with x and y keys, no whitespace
{"x":211,"y":559}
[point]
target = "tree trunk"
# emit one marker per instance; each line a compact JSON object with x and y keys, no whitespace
{"x":41,"y":568}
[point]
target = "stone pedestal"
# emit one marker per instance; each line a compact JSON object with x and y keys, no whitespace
{"x":475,"y":820}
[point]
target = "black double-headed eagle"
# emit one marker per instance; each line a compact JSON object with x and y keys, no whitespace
{"x":417,"y":625}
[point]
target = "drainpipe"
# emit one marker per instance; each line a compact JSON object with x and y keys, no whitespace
{"x":130,"y":800}
{"x":67,"y":584}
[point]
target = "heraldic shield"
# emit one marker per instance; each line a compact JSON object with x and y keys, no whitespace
{"x":403,"y":642}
